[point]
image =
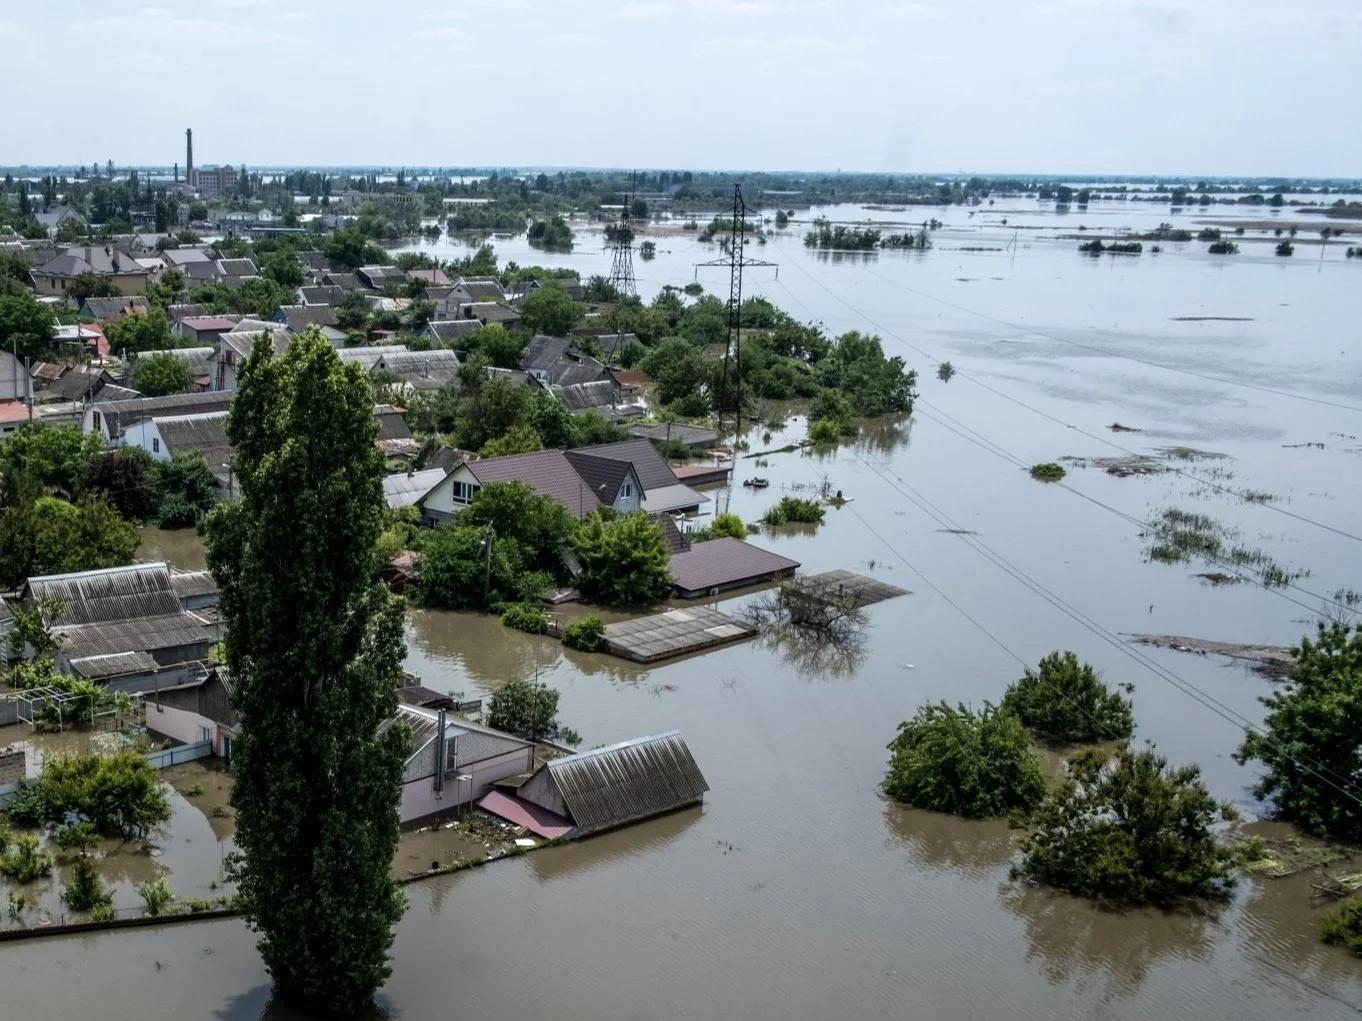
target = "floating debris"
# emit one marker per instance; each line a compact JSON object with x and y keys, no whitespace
{"x":1117,"y":427}
{"x":1274,"y":661}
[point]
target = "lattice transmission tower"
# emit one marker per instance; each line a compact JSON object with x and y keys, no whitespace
{"x":619,"y":238}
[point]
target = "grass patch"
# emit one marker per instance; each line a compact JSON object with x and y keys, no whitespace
{"x":1178,"y":537}
{"x":525,"y":617}
{"x":1048,"y":471}
{"x":795,"y":509}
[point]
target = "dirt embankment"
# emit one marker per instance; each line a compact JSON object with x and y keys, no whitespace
{"x":1273,"y":661}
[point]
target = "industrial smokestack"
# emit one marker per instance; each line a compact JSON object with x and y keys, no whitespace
{"x":189,"y":155}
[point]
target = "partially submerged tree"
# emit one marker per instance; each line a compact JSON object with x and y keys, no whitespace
{"x":976,"y":764}
{"x":526,"y":708}
{"x":85,"y":892}
{"x":1130,"y":830}
{"x":624,"y":560}
{"x":1309,"y":741}
{"x":1066,"y":702}
{"x":315,"y":648}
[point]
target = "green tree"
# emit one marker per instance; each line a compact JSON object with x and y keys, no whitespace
{"x":526,"y":708}
{"x":86,"y":536}
{"x":519,"y":439}
{"x":118,"y":795}
{"x":55,"y":456}
{"x":85,"y":892}
{"x":91,"y":285}
{"x":727,"y":526}
{"x":161,"y":374}
{"x":26,"y":326}
{"x":456,"y":573}
{"x":1066,"y":702}
{"x":586,"y":634}
{"x":352,"y":313}
{"x":551,"y":310}
{"x":150,"y":332}
{"x":551,"y":233}
{"x":540,"y":524}
{"x":624,"y":559}
{"x":19,"y":494}
{"x":874,"y":384}
{"x":184,"y":490}
{"x":1309,"y":741}
{"x":975,"y":764}
{"x":1130,"y":831}
{"x":314,"y":645}
{"x":283,"y":268}
{"x":501,"y":347}
{"x":125,"y":478}
{"x":351,"y":247}
{"x":833,"y":407}
{"x":679,"y":370}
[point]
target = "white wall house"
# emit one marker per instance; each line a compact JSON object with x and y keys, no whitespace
{"x":449,"y":496}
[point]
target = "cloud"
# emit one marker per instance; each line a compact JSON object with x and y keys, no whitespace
{"x":568,"y":39}
{"x":500,"y":5}
{"x":787,"y":46}
{"x":241,"y":3}
{"x":913,"y":12}
{"x":161,"y":26}
{"x":449,"y":38}
{"x":644,"y":12}
{"x":737,"y":7}
{"x":294,"y":16}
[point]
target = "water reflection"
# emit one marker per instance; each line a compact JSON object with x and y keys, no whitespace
{"x":884,"y":435}
{"x":259,"y":1004}
{"x":179,"y":547}
{"x":813,"y":658}
{"x":972,"y":847}
{"x":613,"y":847}
{"x":1079,"y":942}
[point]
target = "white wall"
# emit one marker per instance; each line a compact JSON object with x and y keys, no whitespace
{"x":13,"y":378}
{"x":418,"y":797}
{"x":630,"y":501}
{"x":178,"y":724}
{"x":145,"y":435}
{"x":439,"y":504}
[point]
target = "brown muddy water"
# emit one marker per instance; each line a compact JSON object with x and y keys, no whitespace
{"x":796,"y":892}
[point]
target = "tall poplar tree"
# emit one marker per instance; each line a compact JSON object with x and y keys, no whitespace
{"x":314,"y":645}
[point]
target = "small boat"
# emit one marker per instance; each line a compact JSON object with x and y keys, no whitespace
{"x":756,"y":482}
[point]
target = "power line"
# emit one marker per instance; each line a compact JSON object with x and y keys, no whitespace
{"x":1068,"y":425}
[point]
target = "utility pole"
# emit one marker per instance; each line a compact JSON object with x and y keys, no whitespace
{"x":489,"y":533}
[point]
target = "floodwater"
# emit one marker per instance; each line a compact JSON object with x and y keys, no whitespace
{"x":796,"y":891}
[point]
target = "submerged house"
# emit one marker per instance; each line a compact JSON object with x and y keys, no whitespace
{"x":590,"y":792}
{"x":455,"y":762}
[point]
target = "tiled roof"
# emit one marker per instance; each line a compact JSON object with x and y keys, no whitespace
{"x":723,"y":563}
{"x":299,"y":317}
{"x":322,"y":294}
{"x":545,"y":471}
{"x":652,"y":471}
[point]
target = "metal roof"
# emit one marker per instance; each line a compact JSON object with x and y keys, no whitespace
{"x":194,"y":434}
{"x":671,"y":498}
{"x":365,"y":356}
{"x":166,"y":631}
{"x":405,"y":488}
{"x":113,"y":664}
{"x":724,"y":563}
{"x":653,"y":472}
{"x":199,"y":359}
{"x":322,"y":294}
{"x":692,"y":436}
{"x":299,"y":317}
{"x":544,"y":471}
{"x":117,"y":593}
{"x":243,"y":338}
{"x":448,"y":329}
{"x":467,"y":742}
{"x":609,"y":787}
{"x":190,"y":584}
{"x":599,"y":393}
{"x":603,"y":475}
{"x":121,"y":414}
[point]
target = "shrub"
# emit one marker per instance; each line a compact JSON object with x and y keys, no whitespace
{"x":23,"y":862}
{"x":728,"y":526}
{"x":952,"y":759}
{"x":795,"y":509}
{"x":525,"y":617}
{"x":833,"y":407}
{"x":76,"y":836}
{"x":1313,"y":720}
{"x":1131,"y":831}
{"x":1344,"y":927}
{"x":586,"y":635}
{"x":118,"y":794}
{"x":85,"y":892}
{"x":824,"y":432}
{"x":1047,"y":472}
{"x":1065,"y":701}
{"x":1286,"y":248}
{"x":1223,"y":248}
{"x":526,"y":708}
{"x":157,"y":894}
{"x":624,"y":560}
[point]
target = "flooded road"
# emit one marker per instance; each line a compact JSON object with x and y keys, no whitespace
{"x":796,"y":892}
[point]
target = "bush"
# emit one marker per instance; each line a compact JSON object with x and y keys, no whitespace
{"x":1286,"y":248}
{"x":1047,"y":472}
{"x":125,"y":478}
{"x":453,"y":571}
{"x":157,"y":894}
{"x":1314,"y":721}
{"x":525,"y":617}
{"x":1223,"y":248}
{"x":22,"y":861}
{"x":1344,"y":927}
{"x":795,"y":509}
{"x":85,"y":892}
{"x":184,"y":487}
{"x":586,"y":635}
{"x":1066,"y":702}
{"x":833,"y":407}
{"x":955,"y":760}
{"x":624,"y":560}
{"x":728,"y":526}
{"x":824,"y":432}
{"x":161,"y":374}
{"x":1131,"y":831}
{"x":118,"y":794}
{"x":526,"y":708}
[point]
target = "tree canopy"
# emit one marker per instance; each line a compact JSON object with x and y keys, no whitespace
{"x":27,"y":326}
{"x":550,"y":310}
{"x":624,"y":559}
{"x":315,"y":647}
{"x":1065,"y":702}
{"x":1309,"y":742}
{"x":150,"y":332}
{"x":161,"y":374}
{"x":954,"y":759}
{"x":55,"y":456}
{"x":1129,"y":830}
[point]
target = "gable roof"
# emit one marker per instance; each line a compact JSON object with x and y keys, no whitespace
{"x":322,"y":294}
{"x":181,"y":312}
{"x":121,"y":414}
{"x":299,"y":317}
{"x":404,"y":489}
{"x":653,"y":472}
{"x":599,"y":393}
{"x":113,"y":308}
{"x":105,"y":261}
{"x":392,"y":423}
{"x":116,"y":593}
{"x":561,"y":361}
{"x":182,"y":257}
{"x":626,"y":782}
{"x":376,"y":277}
{"x":236,"y":268}
{"x":420,"y":369}
{"x":479,"y":289}
{"x":195,"y":434}
{"x":434,"y":276}
{"x":490,"y":311}
{"x":602,"y":475}
{"x":722,"y":563}
{"x":243,"y":338}
{"x":449,"y":329}
{"x":209,"y":324}
{"x":79,"y":384}
{"x":545,"y":471}
{"x":199,"y":359}
{"x":345,"y":280}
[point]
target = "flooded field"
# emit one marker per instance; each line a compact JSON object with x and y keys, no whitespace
{"x":796,"y":891}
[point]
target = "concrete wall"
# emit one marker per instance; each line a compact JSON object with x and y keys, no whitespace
{"x":179,"y":724}
{"x":418,"y":797}
{"x":13,"y":765}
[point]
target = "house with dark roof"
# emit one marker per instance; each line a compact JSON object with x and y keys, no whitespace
{"x":375,"y":278}
{"x":321,"y":294}
{"x":185,"y":311}
{"x":598,"y":790}
{"x":343,"y":279}
{"x":54,"y":216}
{"x":180,"y":258}
{"x":420,"y":370}
{"x":120,"y":268}
{"x":204,"y":329}
{"x":557,"y":361}
{"x":707,"y":568}
{"x":487,"y":312}
{"x":235,"y":347}
{"x":106,"y":310}
{"x":131,"y":422}
{"x":447,"y":331}
{"x":473,"y":290}
{"x":454,"y":762}
{"x":297,"y":318}
{"x":79,"y":383}
{"x":433,"y":277}
{"x":663,"y":492}
{"x":233,"y":272}
{"x":614,"y":482}
{"x":545,"y":471}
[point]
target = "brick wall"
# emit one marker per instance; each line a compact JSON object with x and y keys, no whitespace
{"x":12,"y":765}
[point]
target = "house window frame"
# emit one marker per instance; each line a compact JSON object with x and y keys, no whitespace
{"x":156,"y":444}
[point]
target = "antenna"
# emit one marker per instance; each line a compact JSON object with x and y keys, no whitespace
{"x":620,"y":238}
{"x":735,"y":262}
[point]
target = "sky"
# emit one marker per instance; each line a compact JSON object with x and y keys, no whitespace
{"x":1194,"y":87}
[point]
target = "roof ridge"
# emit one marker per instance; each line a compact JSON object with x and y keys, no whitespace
{"x":578,"y":756}
{"x":136,"y":566}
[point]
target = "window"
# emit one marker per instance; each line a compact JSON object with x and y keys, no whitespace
{"x":463,"y":492}
{"x":97,"y":420}
{"x":155,"y":445}
{"x":628,"y":489}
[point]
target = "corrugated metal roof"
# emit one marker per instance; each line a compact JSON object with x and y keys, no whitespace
{"x":366,"y":356}
{"x":725,"y":562}
{"x":113,"y":664}
{"x":118,"y":593}
{"x":167,"y":631}
{"x":623,"y":783}
{"x":403,"y":489}
{"x":121,"y":414}
{"x":190,"y":584}
{"x":671,"y":498}
{"x":688,"y":434}
{"x":199,"y":359}
{"x":599,"y":393}
{"x":194,"y":434}
{"x":299,"y":317}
